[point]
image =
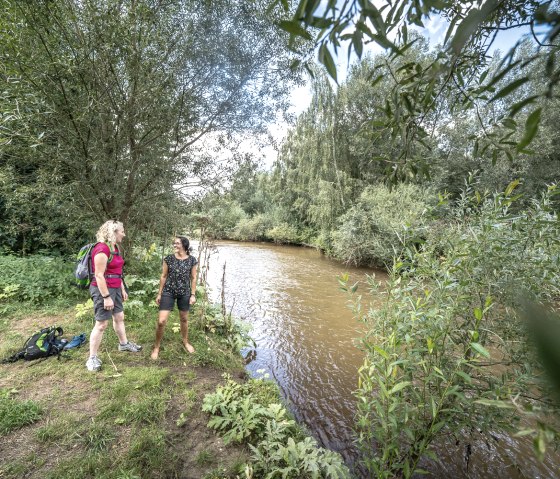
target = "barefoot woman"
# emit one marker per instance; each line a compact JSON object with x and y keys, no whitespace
{"x":177,"y":283}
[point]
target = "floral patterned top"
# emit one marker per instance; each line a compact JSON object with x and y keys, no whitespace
{"x":178,"y":282}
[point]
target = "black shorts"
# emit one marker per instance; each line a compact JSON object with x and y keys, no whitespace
{"x":167,"y":302}
{"x":102,"y":314}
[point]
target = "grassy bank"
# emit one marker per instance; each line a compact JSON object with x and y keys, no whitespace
{"x":136,"y":418}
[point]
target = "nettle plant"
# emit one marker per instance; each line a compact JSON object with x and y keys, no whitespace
{"x":241,"y":411}
{"x":447,"y":352}
{"x":249,"y":413}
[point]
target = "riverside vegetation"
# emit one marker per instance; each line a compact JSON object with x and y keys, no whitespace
{"x":138,"y":418}
{"x":419,"y":163}
{"x":438,"y":163}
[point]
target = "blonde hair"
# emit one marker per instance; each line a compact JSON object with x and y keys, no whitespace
{"x":106,"y":234}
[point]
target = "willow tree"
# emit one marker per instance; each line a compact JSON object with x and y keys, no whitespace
{"x":130,"y":90}
{"x":461,"y":66}
{"x":339,"y":145}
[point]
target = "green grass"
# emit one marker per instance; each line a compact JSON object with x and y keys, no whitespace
{"x":205,"y":457}
{"x":18,"y":468}
{"x":149,"y":451}
{"x":62,"y":429}
{"x":15,"y":414}
{"x":98,"y":437}
{"x":115,"y":423}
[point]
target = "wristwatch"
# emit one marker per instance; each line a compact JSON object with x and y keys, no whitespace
{"x":105,"y":297}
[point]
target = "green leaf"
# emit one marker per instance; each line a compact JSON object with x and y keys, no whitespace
{"x":470,"y":24}
{"x":326,"y":59}
{"x":478,"y":313}
{"x":399,"y":386}
{"x":450,"y":29}
{"x":376,"y":19}
{"x":494,"y":403}
{"x":545,"y":330}
{"x":357,"y":43}
{"x":531,"y":128}
{"x":465,"y":376}
{"x":381,"y":351}
{"x":294,"y":28}
{"x":480,"y":349}
{"x":519,"y":105}
{"x":509,"y":88}
{"x":509,"y":190}
{"x":310,"y":7}
{"x":501,"y":75}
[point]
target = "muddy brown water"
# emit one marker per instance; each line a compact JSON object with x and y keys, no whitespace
{"x":308,"y":342}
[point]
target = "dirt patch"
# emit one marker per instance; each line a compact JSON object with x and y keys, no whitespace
{"x":26,"y":326}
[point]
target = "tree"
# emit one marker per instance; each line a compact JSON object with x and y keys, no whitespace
{"x":460,"y":66}
{"x":130,"y":89}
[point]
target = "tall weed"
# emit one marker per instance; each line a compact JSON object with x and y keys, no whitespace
{"x":36,"y":279}
{"x":249,"y":413}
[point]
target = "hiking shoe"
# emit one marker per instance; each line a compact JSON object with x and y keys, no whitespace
{"x":93,"y":363}
{"x":130,"y":346}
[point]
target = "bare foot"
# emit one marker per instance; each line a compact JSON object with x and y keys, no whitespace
{"x":188,"y":347}
{"x":155,"y":354}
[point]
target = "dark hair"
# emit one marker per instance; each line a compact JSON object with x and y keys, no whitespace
{"x":186,"y":243}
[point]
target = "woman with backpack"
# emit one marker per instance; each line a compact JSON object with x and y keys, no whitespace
{"x":107,"y":291}
{"x":177,"y":284}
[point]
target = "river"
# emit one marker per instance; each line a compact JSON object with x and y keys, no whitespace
{"x":308,"y":341}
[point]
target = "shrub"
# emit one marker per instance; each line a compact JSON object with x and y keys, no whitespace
{"x":223,"y":218}
{"x":249,"y":413}
{"x":381,"y":224}
{"x":241,"y":411}
{"x":284,"y":233}
{"x":36,"y":279}
{"x":252,"y":229}
{"x":446,"y":353}
{"x":294,"y":460}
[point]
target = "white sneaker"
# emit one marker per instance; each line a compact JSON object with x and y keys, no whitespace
{"x":130,"y":346}
{"x":93,"y":363}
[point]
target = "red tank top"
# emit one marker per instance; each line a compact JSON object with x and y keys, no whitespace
{"x":114,"y":267}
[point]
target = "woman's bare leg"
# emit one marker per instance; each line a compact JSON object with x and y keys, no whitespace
{"x":160,"y":326}
{"x":184,"y":316}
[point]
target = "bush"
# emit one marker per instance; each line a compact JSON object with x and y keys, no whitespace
{"x":293,"y":460}
{"x":447,"y":353}
{"x":284,"y":233}
{"x":381,"y":224}
{"x":250,"y":413}
{"x":252,"y":229}
{"x":36,"y":279}
{"x":222,"y":219}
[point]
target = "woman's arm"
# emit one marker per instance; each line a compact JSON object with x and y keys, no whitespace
{"x":162,"y":279}
{"x":192,"y":299}
{"x":100,"y":261}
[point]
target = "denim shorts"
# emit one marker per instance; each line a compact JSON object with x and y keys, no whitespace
{"x":102,"y":314}
{"x":167,"y":301}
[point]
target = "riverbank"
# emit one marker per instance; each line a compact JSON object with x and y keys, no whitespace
{"x":135,"y":418}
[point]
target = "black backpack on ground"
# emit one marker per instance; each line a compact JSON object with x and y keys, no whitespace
{"x":42,"y":344}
